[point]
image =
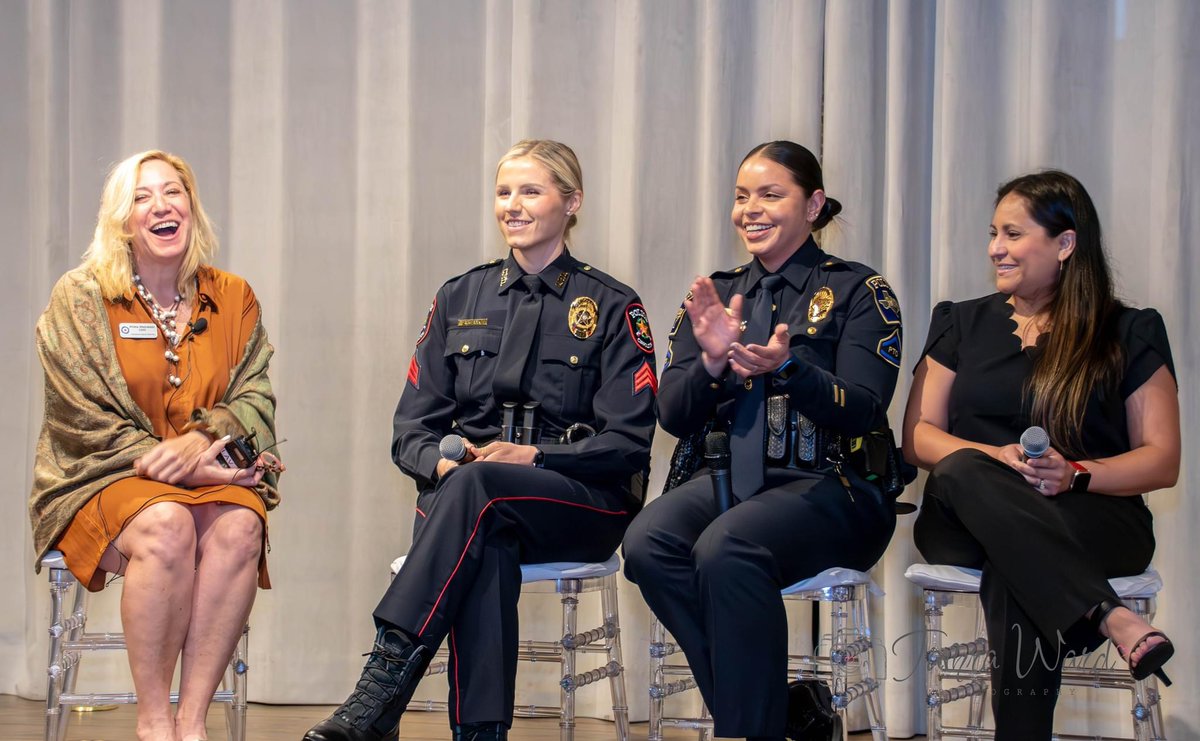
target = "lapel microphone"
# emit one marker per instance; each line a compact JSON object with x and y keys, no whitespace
{"x":198,"y":326}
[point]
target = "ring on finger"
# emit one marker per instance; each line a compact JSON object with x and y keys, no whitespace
{"x":1041,"y":484}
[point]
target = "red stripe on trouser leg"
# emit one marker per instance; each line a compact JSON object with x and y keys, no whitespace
{"x":475,"y":530}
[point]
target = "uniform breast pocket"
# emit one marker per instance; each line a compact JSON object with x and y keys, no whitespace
{"x":817,"y":343}
{"x":573,"y":366}
{"x":473,"y":350}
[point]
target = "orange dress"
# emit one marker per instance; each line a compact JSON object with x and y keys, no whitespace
{"x":205,"y":359}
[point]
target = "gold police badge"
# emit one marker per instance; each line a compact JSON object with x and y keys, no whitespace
{"x":822,"y":302}
{"x":582,"y":317}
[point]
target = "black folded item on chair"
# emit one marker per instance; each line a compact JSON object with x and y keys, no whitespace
{"x":811,"y":716}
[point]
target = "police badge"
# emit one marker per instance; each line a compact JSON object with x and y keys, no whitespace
{"x":582,"y":317}
{"x":822,"y":302}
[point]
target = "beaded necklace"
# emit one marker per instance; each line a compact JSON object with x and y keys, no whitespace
{"x":165,"y":319}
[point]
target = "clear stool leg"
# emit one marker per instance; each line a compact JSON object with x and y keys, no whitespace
{"x":612,"y":645}
{"x":658,"y":685}
{"x":60,"y":581}
{"x":706,"y":734}
{"x":235,"y":679}
{"x":977,"y":706}
{"x":570,"y":601}
{"x":839,"y":680}
{"x":933,"y":673}
{"x":868,"y":671}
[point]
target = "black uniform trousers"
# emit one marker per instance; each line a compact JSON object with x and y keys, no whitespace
{"x":714,"y":581}
{"x":462,"y":578}
{"x":1046,"y":562}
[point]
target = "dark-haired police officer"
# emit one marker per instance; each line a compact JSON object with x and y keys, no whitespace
{"x":792,"y":354}
{"x":713,"y":579}
{"x":586,"y":356}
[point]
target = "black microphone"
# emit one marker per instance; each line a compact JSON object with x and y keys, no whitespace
{"x":716,"y":457}
{"x":452,"y":449}
{"x":198,"y":326}
{"x":1034,"y":442}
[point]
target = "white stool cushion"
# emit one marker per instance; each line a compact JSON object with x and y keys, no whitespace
{"x":835,"y":577}
{"x":959,"y":579}
{"x":550,"y":571}
{"x":54,"y":560}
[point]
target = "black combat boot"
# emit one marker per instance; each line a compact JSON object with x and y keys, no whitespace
{"x":372,"y":712}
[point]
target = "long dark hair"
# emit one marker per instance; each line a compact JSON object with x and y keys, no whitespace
{"x":806,"y":171}
{"x":1082,"y":353}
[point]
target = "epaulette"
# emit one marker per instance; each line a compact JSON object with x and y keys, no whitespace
{"x":732,"y":272}
{"x":602,"y":277}
{"x":476,"y":269}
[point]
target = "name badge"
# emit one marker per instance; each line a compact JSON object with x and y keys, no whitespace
{"x":138,"y":330}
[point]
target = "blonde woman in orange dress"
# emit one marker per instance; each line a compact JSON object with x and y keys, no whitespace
{"x":153,"y":361}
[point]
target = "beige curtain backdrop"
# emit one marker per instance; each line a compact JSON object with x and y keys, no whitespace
{"x":346,"y":151}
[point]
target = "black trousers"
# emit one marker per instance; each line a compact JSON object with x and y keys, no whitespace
{"x":1046,"y":562}
{"x":714,"y":581}
{"x":462,"y":578}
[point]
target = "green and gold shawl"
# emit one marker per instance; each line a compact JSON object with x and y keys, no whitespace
{"x":92,"y":431}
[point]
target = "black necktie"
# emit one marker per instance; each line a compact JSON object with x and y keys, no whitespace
{"x":511,"y":382}
{"x":749,"y":410}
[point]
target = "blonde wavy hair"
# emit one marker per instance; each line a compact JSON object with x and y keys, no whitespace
{"x":109,"y":258}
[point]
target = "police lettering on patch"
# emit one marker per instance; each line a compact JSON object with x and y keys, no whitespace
{"x":889,"y":348}
{"x":428,"y":320}
{"x":639,"y":327}
{"x":885,"y":299}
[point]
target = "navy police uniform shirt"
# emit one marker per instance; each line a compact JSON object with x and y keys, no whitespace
{"x":844,"y":322}
{"x":594,"y":365}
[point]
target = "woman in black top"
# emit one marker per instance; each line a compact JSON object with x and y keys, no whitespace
{"x":822,"y":336}
{"x":1053,"y":348}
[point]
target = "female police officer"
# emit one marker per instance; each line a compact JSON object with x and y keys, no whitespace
{"x":545,"y":366}
{"x":819,"y":352}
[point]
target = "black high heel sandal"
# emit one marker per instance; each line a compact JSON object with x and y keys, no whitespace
{"x":1152,"y":661}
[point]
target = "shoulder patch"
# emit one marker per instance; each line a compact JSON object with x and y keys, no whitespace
{"x":889,"y":348}
{"x":428,"y":320}
{"x":639,"y":327}
{"x":678,"y":321}
{"x":885,"y":299}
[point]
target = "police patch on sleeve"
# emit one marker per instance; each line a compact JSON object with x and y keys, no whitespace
{"x":678,"y":321}
{"x":639,"y":327}
{"x":885,"y":299}
{"x":428,"y":320}
{"x":889,"y":348}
